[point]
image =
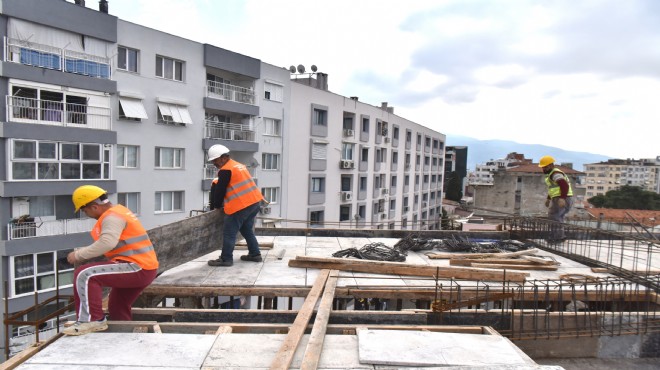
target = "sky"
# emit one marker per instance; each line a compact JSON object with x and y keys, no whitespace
{"x":580,"y":75}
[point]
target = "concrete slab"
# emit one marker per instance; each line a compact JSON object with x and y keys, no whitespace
{"x":257,"y":351}
{"x":124,"y":350}
{"x":417,"y":348}
{"x":322,"y":242}
{"x":357,"y":243}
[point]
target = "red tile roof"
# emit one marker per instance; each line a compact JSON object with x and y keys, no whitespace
{"x":648,"y":218}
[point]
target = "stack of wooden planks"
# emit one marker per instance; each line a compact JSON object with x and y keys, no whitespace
{"x":521,"y":260}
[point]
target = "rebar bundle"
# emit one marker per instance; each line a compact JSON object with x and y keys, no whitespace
{"x":373,"y":251}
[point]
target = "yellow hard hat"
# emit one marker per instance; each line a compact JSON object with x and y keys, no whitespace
{"x":86,"y":194}
{"x":546,"y":160}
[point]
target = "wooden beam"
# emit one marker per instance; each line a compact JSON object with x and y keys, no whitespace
{"x":201,"y":291}
{"x":284,"y":356}
{"x":400,"y":268}
{"x":312,"y":354}
{"x":445,"y":255}
{"x":224,"y":329}
{"x":503,"y":261}
{"x":516,"y":267}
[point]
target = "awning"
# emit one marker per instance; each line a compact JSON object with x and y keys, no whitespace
{"x":133,"y":108}
{"x":179,"y":113}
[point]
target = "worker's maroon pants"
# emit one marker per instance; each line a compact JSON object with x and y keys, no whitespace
{"x":127,"y":281}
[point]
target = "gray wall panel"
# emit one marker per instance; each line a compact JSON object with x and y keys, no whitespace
{"x":230,"y":61}
{"x":230,"y":106}
{"x":64,"y":15}
{"x":69,"y":134}
{"x":36,"y":188}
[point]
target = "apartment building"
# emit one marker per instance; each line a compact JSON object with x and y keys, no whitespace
{"x":484,"y":173}
{"x":352,"y":164}
{"x":93,"y":99}
{"x":614,"y":173}
{"x":455,"y":165}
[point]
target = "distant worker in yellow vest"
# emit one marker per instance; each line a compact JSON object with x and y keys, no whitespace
{"x":130,"y":267}
{"x":560,"y":196}
{"x":237,"y":193}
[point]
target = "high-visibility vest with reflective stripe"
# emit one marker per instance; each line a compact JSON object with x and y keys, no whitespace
{"x":242,"y":192}
{"x":134,"y":244}
{"x":553,"y":188}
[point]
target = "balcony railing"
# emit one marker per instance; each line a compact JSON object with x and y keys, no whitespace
{"x":57,"y":113}
{"x":48,"y":228}
{"x":46,"y":56}
{"x":229,"y":131}
{"x":210,"y":172}
{"x":218,"y":90}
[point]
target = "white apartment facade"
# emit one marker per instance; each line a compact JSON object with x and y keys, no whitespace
{"x":614,"y":173}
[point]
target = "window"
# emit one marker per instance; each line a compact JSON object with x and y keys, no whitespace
{"x":365,"y":125}
{"x":392,"y":204}
{"x":48,"y":160}
{"x":52,"y":106}
{"x":173,"y":114}
{"x":345,"y":213}
{"x":127,"y":156}
{"x":364,"y":156}
{"x":395,"y":133}
{"x":347,"y":151}
{"x":393,"y":181}
{"x":169,"y":68}
{"x":362,"y":212}
{"x":318,"y":184}
{"x":348,"y":123}
{"x":395,"y":157}
{"x":169,"y":158}
{"x":132,"y":109}
{"x":130,"y":201}
{"x":270,"y":161}
{"x":319,"y":151}
{"x":127,"y":59}
{"x":272,"y":127}
{"x":274,"y":92}
{"x":346,"y":181}
{"x":320,"y":117}
{"x":36,"y":272}
{"x":316,"y":218}
{"x":168,"y":202}
{"x":363,"y":183}
{"x":270,"y":194}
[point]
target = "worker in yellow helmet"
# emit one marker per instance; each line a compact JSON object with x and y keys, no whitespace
{"x":560,"y":196}
{"x":130,"y":267}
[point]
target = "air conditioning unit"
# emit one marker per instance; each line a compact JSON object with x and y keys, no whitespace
{"x":387,"y":139}
{"x":384,"y":191}
{"x":346,"y":164}
{"x":349,"y":132}
{"x":346,"y":195}
{"x":265,"y":210}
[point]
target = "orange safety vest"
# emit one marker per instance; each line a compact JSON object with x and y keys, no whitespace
{"x":242,"y":192}
{"x":134,"y":244}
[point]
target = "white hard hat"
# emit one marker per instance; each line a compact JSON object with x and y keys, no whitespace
{"x":216,"y":151}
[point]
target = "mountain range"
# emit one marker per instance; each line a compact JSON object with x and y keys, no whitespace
{"x":481,"y":151}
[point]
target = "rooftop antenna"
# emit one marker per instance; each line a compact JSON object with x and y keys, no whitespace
{"x":300,"y":70}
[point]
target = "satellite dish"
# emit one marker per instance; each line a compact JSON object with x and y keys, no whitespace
{"x":314,"y":69}
{"x":301,"y":68}
{"x":292,"y":69}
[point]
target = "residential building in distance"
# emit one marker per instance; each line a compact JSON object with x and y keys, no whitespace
{"x":93,"y":99}
{"x":520,"y":190}
{"x":612,"y":174}
{"x":484,"y":173}
{"x":456,"y":166}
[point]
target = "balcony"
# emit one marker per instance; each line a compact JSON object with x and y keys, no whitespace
{"x":57,"y":113}
{"x":48,"y":228}
{"x":218,"y":90}
{"x":229,"y":131}
{"x":46,"y":56}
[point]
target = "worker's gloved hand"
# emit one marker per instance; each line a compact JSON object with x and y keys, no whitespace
{"x":547,"y":203}
{"x":561,"y":203}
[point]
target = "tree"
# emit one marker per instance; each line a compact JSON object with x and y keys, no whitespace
{"x":454,"y":187}
{"x":627,"y":197}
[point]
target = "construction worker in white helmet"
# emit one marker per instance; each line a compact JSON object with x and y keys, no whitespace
{"x":237,"y":194}
{"x":130,"y":266}
{"x":559,"y":199}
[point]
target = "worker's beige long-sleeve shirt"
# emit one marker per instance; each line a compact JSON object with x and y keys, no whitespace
{"x":111,"y":229}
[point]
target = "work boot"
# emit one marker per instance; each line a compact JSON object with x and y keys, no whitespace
{"x":220,"y":263}
{"x":82,"y":328}
{"x":256,"y":258}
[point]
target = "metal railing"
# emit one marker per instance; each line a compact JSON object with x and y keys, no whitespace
{"x":48,"y":112}
{"x":229,"y":131}
{"x":46,"y":56}
{"x":218,"y":90}
{"x":48,"y":228}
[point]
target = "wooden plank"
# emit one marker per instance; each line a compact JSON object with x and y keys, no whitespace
{"x":540,"y":260}
{"x":27,"y":353}
{"x":503,"y":261}
{"x":400,"y":268}
{"x":312,"y":354}
{"x":242,"y":245}
{"x":516,"y":267}
{"x":157,"y":329}
{"x":284,"y":356}
{"x":141,"y":329}
{"x":445,"y":255}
